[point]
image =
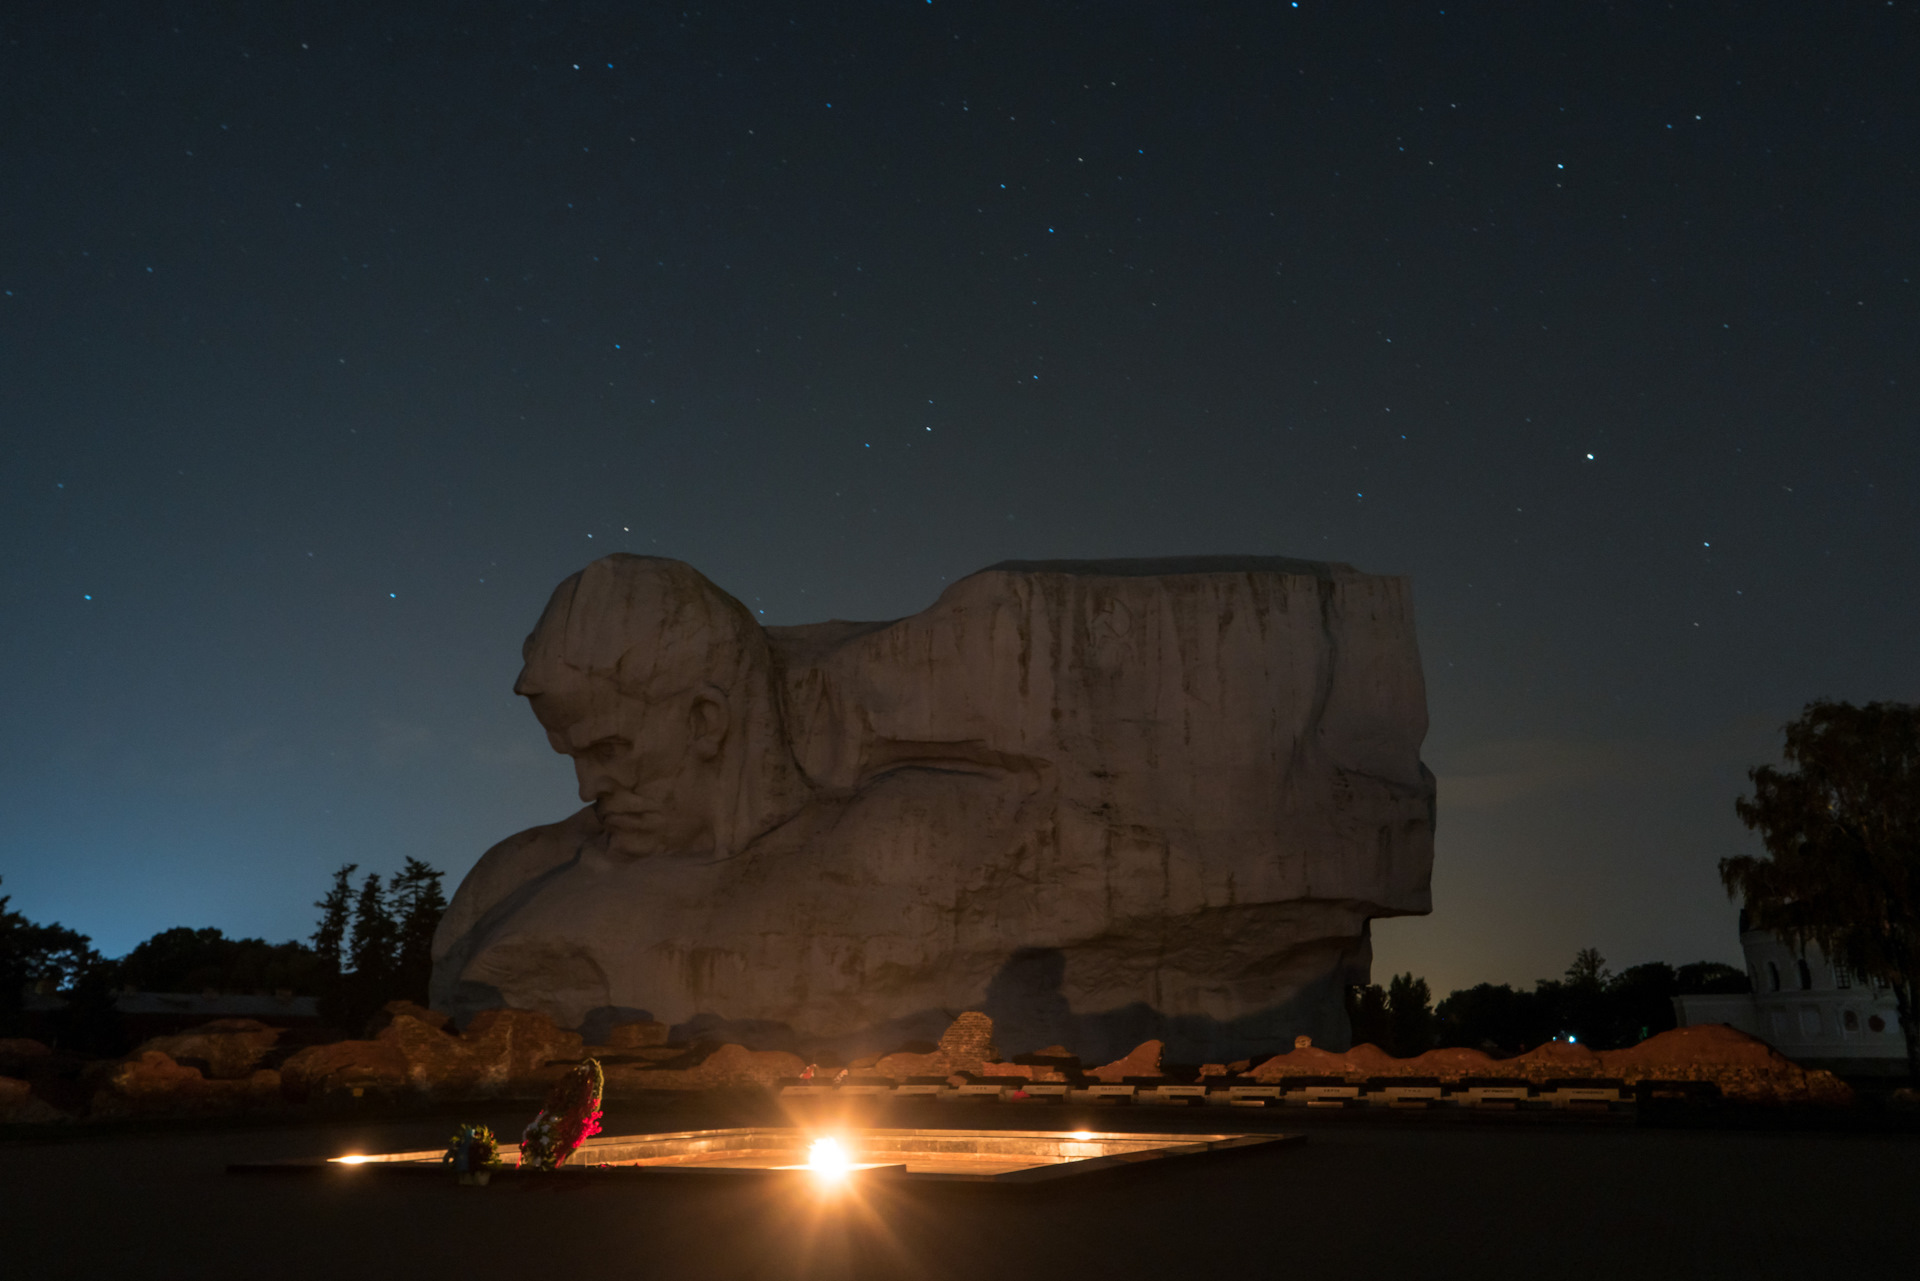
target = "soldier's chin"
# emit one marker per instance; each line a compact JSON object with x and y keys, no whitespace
{"x":629,"y":835}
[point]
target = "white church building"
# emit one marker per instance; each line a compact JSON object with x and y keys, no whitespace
{"x":1812,"y":1011}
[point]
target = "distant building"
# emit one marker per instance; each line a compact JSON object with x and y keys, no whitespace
{"x":148,"y":1014}
{"x":145,"y":1014}
{"x":1812,"y":1011}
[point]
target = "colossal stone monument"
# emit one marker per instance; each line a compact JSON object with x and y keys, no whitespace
{"x":1100,"y":800}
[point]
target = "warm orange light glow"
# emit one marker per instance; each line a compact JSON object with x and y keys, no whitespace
{"x":351,"y":1160}
{"x":826,"y":1158}
{"x":1082,"y":1135}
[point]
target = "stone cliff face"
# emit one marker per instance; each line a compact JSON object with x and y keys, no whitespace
{"x":1103,"y":801}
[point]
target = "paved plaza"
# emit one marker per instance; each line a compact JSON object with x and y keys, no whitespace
{"x":1379,"y":1197}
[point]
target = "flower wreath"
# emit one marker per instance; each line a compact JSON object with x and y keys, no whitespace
{"x":571,"y":1117}
{"x":472,"y":1149}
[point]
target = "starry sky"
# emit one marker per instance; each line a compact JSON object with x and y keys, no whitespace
{"x":334,"y":335}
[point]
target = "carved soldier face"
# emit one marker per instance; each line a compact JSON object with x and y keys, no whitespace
{"x":651,"y":768}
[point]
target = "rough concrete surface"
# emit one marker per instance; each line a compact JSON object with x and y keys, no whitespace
{"x":1103,"y":801}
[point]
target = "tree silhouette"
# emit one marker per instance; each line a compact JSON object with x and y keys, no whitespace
{"x":330,"y":943}
{"x":1842,"y":833}
{"x":32,"y":955}
{"x":1703,"y":977}
{"x":190,"y":960}
{"x":1602,"y":1010}
{"x":1589,"y":969}
{"x":1580,"y":1005}
{"x":371,"y":951}
{"x":1409,"y":1016}
{"x":336,"y":909}
{"x":416,"y":906}
{"x":1494,"y":1018}
{"x":1367,"y":1015}
{"x":375,"y":943}
{"x":1397,"y":1018}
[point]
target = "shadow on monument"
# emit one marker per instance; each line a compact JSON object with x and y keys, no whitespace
{"x":597,"y":1027}
{"x":920,"y":1030}
{"x":1027,"y":1001}
{"x":1028,"y":1005}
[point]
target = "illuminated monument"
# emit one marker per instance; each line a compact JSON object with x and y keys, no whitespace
{"x":1100,"y":800}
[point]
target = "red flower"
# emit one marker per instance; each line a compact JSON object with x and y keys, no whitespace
{"x":570,"y":1117}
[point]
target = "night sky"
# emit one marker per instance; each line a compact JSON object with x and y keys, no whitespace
{"x":330,"y":343}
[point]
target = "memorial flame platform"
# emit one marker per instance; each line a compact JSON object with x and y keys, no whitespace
{"x":974,"y":1156}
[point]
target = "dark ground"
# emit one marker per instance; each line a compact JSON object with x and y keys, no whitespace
{"x":1370,"y":1196}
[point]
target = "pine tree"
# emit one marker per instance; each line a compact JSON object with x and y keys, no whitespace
{"x":376,"y":943}
{"x":416,"y":905}
{"x":330,"y":936}
{"x":371,"y":951}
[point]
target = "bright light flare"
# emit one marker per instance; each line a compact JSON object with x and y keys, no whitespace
{"x":1081,"y":1135}
{"x":827,"y":1159}
{"x":350,"y":1160}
